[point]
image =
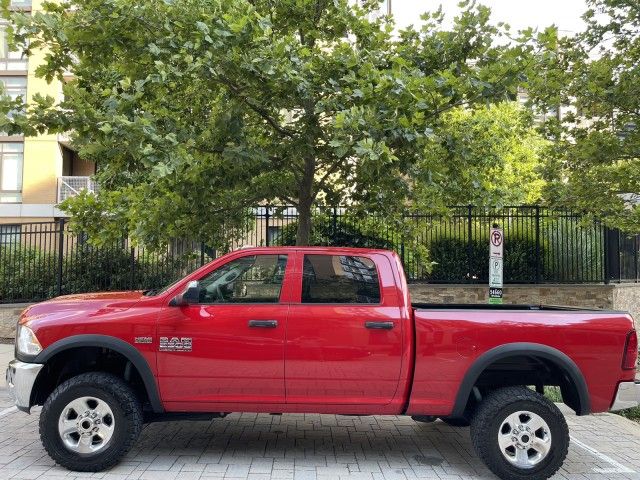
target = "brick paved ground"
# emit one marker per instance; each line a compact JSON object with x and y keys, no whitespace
{"x":249,"y":446}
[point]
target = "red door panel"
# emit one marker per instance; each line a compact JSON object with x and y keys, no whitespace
{"x":331,"y":355}
{"x":230,"y":361}
{"x":236,"y":351}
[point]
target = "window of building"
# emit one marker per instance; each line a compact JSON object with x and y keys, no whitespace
{"x":252,"y":279}
{"x":10,"y":59}
{"x":9,"y":234}
{"x":339,"y":279}
{"x":20,"y":3}
{"x":11,"y":160}
{"x":14,"y":87}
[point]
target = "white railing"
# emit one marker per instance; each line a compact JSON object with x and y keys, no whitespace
{"x":72,"y":186}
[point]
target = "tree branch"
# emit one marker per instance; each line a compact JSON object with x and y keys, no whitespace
{"x":262,"y":112}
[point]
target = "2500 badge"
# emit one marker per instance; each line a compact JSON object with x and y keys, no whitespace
{"x":175,"y":344}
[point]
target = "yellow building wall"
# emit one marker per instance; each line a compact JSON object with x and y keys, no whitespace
{"x":42,"y":154}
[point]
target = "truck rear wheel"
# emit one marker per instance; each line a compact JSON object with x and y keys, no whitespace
{"x":519,"y":434}
{"x":90,"y":422}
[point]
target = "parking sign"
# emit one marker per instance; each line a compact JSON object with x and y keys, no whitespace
{"x":496,"y":249}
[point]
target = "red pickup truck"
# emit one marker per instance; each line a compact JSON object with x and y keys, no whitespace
{"x":324,"y":330}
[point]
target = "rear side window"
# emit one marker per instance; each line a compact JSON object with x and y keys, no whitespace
{"x":339,"y":279}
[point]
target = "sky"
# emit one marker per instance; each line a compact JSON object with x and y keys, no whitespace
{"x":565,"y":14}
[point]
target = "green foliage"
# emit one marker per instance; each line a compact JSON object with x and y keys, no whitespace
{"x":577,"y":252}
{"x":361,"y":231}
{"x":26,"y":273}
{"x":338,"y":233}
{"x":97,"y":269}
{"x":493,"y":151}
{"x":456,"y":260}
{"x":195,"y":110}
{"x":594,"y":161}
{"x":30,"y":273}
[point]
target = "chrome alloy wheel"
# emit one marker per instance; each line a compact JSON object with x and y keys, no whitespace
{"x":524,"y":439}
{"x":86,"y":425}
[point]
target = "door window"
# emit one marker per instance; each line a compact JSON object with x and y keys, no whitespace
{"x":339,"y":279}
{"x":251,"y":279}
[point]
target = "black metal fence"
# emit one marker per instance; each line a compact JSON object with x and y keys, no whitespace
{"x":43,"y":260}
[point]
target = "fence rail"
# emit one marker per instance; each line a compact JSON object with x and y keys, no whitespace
{"x":43,"y":260}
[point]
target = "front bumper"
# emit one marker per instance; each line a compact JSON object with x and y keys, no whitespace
{"x":627,"y":396}
{"x":21,"y":377}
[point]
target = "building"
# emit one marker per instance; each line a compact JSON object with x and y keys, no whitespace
{"x":36,"y":173}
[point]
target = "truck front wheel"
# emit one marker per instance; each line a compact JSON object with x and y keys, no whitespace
{"x":519,"y":434}
{"x":90,"y":422}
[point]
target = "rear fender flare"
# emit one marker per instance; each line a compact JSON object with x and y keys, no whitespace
{"x":557,"y":357}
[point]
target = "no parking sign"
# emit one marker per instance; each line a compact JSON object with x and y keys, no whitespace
{"x":496,"y":249}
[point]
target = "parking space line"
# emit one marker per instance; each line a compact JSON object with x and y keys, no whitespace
{"x":7,"y":411}
{"x":617,"y":467}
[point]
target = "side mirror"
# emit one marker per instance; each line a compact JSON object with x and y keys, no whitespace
{"x":189,"y":296}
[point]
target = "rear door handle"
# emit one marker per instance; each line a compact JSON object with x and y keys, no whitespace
{"x":379,"y":325}
{"x":263,"y":323}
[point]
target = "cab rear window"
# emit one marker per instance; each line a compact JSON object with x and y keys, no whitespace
{"x":339,"y":279}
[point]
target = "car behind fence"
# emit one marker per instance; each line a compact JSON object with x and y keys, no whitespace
{"x":43,"y":260}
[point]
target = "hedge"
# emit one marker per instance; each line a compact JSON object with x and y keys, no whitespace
{"x":456,"y":260}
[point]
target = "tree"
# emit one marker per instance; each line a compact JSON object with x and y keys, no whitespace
{"x":595,"y":156}
{"x":195,"y":110}
{"x":494,"y":153}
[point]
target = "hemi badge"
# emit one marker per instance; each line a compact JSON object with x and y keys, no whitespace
{"x":143,"y":340}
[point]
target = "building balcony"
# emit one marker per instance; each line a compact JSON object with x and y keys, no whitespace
{"x":71,"y":186}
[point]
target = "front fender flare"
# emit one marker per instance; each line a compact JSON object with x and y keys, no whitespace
{"x":557,"y":357}
{"x":104,"y":341}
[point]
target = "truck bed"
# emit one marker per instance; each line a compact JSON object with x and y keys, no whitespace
{"x":451,"y":338}
{"x":484,"y":306}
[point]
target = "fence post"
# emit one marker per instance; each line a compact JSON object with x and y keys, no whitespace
{"x":611,"y":255}
{"x":335,"y":222}
{"x":266,"y":225}
{"x":201,"y":254}
{"x":635,"y":257}
{"x":538,"y":269}
{"x":605,"y":254}
{"x":469,"y":242}
{"x":61,"y":223}
{"x":132,"y":267}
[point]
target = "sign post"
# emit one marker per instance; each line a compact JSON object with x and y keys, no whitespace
{"x":496,"y":249}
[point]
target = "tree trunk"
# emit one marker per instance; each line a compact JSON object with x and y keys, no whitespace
{"x":304,"y":225}
{"x":305,"y":202}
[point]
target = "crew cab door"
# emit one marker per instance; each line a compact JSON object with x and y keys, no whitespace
{"x":344,"y":334}
{"x":229,"y":346}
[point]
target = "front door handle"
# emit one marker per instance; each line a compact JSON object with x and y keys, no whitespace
{"x":379,"y":325}
{"x":263,"y":323}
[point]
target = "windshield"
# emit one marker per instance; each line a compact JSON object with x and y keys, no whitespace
{"x":159,"y":291}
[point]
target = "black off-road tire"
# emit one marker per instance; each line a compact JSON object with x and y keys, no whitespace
{"x":491,"y":413}
{"x":127,"y":413}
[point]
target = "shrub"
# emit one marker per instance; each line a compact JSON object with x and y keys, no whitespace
{"x":574,"y":253}
{"x":349,"y":231}
{"x":26,"y":273}
{"x":341,"y":234}
{"x":458,"y":261}
{"x":90,"y":269}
